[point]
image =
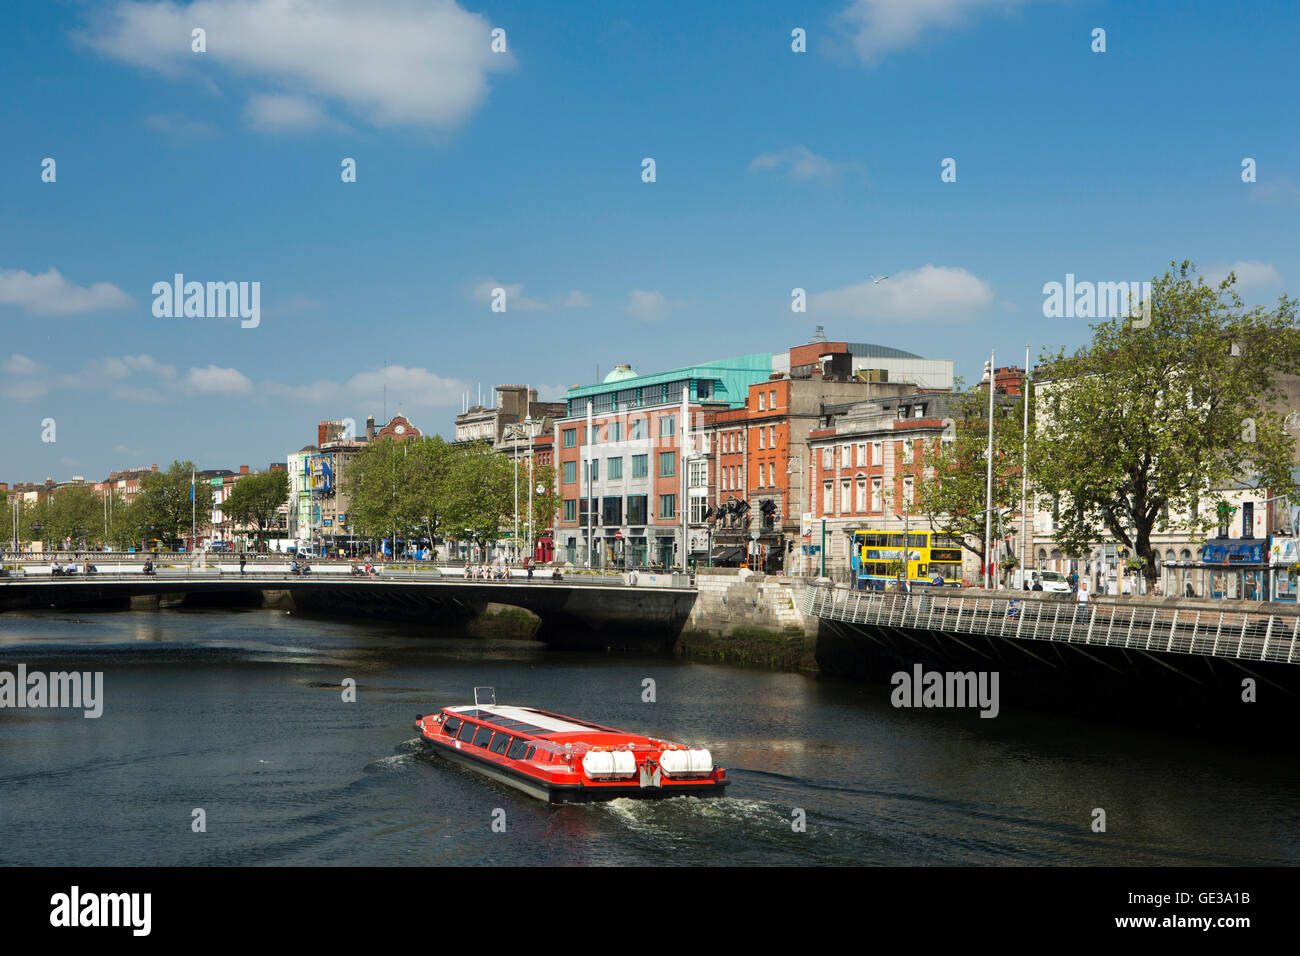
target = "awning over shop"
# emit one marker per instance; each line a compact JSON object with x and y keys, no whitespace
{"x":726,"y":555}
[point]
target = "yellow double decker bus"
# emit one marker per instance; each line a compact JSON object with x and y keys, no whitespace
{"x":876,"y":555}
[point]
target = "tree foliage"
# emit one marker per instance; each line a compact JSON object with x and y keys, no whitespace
{"x":255,"y":500}
{"x":1146,"y":421}
{"x":164,"y":507}
{"x":953,"y":499}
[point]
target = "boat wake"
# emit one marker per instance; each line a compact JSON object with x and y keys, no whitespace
{"x":675,"y":813}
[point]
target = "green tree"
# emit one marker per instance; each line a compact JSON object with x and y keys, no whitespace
{"x":75,"y":512}
{"x":953,"y":498}
{"x":165,"y":503}
{"x":255,"y":500}
{"x":1158,"y":416}
{"x":479,"y":493}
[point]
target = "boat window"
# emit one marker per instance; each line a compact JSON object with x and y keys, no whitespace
{"x":451,"y":725}
{"x":517,"y":749}
{"x":483,"y":736}
{"x":500,"y":742}
{"x":529,"y":754}
{"x":466,"y":731}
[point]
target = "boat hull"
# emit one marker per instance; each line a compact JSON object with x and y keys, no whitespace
{"x":564,"y":792}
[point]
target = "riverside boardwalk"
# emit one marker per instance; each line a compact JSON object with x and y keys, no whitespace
{"x":1257,"y":631}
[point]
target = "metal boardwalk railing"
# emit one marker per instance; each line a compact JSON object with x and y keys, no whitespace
{"x":1239,"y":635}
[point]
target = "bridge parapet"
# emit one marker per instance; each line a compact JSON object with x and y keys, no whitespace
{"x":1252,"y":634}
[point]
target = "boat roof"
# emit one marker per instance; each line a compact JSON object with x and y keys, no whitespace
{"x":522,"y":719}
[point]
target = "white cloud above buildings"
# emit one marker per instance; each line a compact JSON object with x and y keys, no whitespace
{"x":49,"y":293}
{"x":420,"y":63}
{"x":649,"y":306}
{"x":931,"y":293}
{"x":803,"y":165}
{"x":875,"y":28}
{"x":1251,"y":274}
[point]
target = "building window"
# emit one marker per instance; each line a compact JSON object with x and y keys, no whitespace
{"x":636,"y":509}
{"x":570,"y":438}
{"x":860,"y":505}
{"x":877,"y":495}
{"x":637,"y":427}
{"x":640,"y":466}
{"x":667,"y":426}
{"x":828,"y":498}
{"x":877,"y":453}
{"x":570,"y":472}
{"x":907,"y":490}
{"x":772,"y":399}
{"x":591,"y":470}
{"x":918,"y":411}
{"x":845,"y":498}
{"x":667,"y":506}
{"x":907,"y":451}
{"x":615,"y":431}
{"x":846,"y":456}
{"x":667,"y":464}
{"x":828,"y":458}
{"x":570,"y":509}
{"x":761,"y":446}
{"x":699,"y":474}
{"x":762,"y":404}
{"x":771,"y":436}
{"x":612,"y":511}
{"x":762,"y":471}
{"x":614,"y":469}
{"x":862,"y":454}
{"x":699,"y":504}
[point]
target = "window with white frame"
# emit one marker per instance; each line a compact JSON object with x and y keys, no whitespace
{"x":877,"y":453}
{"x":828,"y":456}
{"x":861,"y":503}
{"x":877,"y":495}
{"x":771,"y":436}
{"x":845,"y":495}
{"x":846,"y":456}
{"x":762,"y":404}
{"x":761,"y":445}
{"x":907,"y":451}
{"x":699,"y":474}
{"x":907,"y":489}
{"x":862,"y":454}
{"x":828,"y":499}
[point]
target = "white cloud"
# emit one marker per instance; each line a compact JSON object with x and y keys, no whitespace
{"x":413,"y":386}
{"x":649,"y":306}
{"x":876,"y":27}
{"x":515,"y":300}
{"x":577,"y":299}
{"x":1281,"y":192}
{"x":804,"y":165}
{"x":50,"y":294}
{"x":403,"y":62}
{"x":216,"y":380}
{"x":179,"y":127}
{"x":19,"y":365}
{"x":1251,"y":274}
{"x":551,"y":393}
{"x":280,"y":113}
{"x":934,"y":293}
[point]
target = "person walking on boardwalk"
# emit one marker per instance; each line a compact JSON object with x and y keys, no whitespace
{"x":243,"y":560}
{"x":1082,"y":597}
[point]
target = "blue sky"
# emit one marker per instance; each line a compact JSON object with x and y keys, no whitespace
{"x":523,"y":170}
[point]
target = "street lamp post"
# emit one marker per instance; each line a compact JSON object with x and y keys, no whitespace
{"x":988,"y":490}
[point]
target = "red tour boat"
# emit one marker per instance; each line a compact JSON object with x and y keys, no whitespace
{"x":565,"y":760}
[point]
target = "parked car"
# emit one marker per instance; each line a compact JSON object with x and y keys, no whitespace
{"x":1052,"y":581}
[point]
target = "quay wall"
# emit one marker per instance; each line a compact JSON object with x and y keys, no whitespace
{"x":747,"y":618}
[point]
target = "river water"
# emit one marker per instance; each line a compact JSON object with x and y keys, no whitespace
{"x":241,"y":714}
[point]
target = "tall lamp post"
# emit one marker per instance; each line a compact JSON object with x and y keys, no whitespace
{"x":991,"y":375}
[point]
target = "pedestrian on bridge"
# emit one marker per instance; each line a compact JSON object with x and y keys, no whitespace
{"x":243,"y":559}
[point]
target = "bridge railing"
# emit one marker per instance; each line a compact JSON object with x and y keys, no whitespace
{"x":1242,"y":635}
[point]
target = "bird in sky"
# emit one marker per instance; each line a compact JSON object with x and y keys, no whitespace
{"x":877,"y":280}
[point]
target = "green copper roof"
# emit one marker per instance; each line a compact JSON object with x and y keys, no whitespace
{"x":731,"y":377}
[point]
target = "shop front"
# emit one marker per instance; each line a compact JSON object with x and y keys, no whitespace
{"x":1283,"y":557}
{"x":1235,"y":568}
